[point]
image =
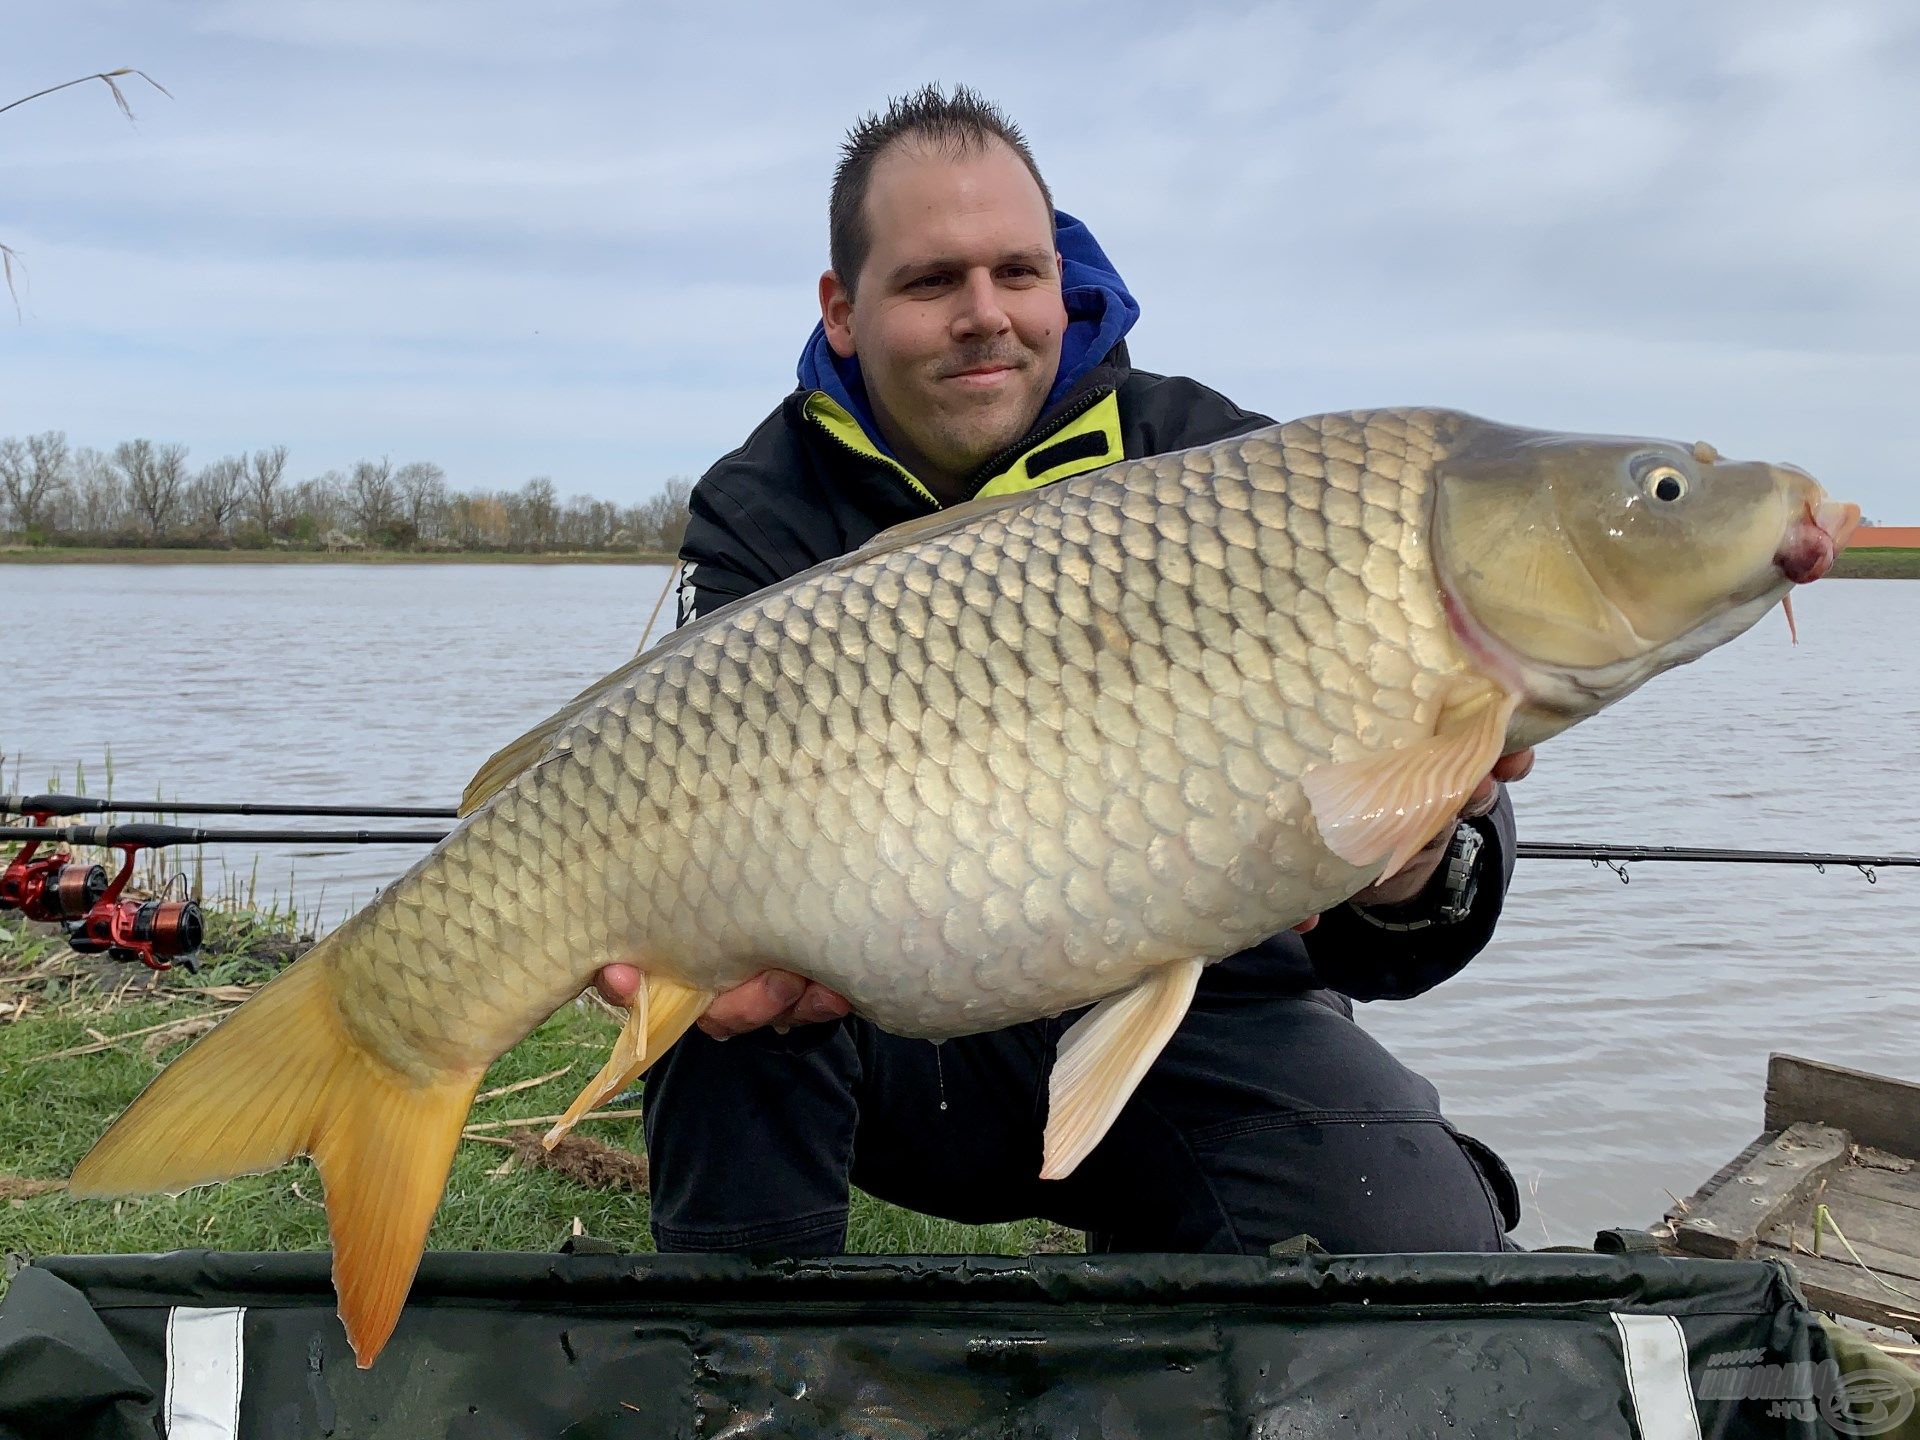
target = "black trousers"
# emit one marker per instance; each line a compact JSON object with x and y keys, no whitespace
{"x":1267,"y":1116}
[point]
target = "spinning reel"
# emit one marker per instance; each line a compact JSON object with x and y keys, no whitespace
{"x":79,"y":897}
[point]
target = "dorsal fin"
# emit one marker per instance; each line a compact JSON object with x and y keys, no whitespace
{"x":511,"y":761}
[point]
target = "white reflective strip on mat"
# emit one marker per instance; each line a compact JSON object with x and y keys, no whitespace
{"x":203,"y":1373}
{"x":1657,"y":1377}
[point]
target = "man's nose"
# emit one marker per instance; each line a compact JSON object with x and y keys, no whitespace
{"x":980,"y":310}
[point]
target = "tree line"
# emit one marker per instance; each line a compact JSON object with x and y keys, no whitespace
{"x":144,"y":494}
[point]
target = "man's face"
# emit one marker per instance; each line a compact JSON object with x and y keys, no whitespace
{"x":956,"y":314}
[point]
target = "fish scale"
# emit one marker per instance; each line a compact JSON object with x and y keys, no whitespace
{"x":1039,"y":751}
{"x":959,"y":801}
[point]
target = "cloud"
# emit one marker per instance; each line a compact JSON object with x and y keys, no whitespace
{"x":355,"y":217}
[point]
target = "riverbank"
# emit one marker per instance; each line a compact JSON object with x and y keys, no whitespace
{"x":80,"y":555}
{"x":1878,"y":565}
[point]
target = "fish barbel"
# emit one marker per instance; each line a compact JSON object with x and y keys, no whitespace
{"x":1043,"y":750}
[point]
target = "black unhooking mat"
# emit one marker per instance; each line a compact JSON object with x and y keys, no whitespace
{"x":201,"y":1345}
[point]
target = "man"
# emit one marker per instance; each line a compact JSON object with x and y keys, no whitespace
{"x":971,"y":343}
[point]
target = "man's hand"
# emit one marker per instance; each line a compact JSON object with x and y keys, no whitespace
{"x":1412,"y":878}
{"x":773,"y":997}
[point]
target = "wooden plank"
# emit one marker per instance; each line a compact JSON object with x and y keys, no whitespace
{"x":1874,"y":1109}
{"x":1890,"y":1229}
{"x":1842,"y":1287}
{"x":1897,"y":1265}
{"x":1894,"y":1187}
{"x":1720,"y":1177}
{"x":1727,"y":1224}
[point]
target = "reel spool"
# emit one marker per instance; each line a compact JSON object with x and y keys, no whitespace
{"x":155,"y":932}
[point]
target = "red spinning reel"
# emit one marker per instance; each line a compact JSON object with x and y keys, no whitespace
{"x":58,"y":889}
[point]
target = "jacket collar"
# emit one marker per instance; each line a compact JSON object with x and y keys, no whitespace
{"x":1081,"y":433}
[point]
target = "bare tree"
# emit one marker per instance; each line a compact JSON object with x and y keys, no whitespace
{"x":540,"y":511}
{"x":155,"y":475}
{"x":33,"y":476}
{"x":658,"y":523}
{"x":371,"y":497}
{"x":587,"y":523}
{"x":265,"y":470}
{"x":99,"y":499}
{"x":423,"y":494}
{"x":213,"y":499}
{"x":317,"y":505}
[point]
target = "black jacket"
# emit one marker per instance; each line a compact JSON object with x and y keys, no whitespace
{"x":808,"y":486}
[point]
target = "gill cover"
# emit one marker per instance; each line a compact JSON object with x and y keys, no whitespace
{"x":1585,"y":553}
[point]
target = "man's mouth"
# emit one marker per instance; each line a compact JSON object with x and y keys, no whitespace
{"x":986,"y":372}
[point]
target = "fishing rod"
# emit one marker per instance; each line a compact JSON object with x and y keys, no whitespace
{"x":79,"y":897}
{"x":153,"y":836}
{"x":1617,"y":857}
{"x":64,"y":805}
{"x":149,"y":836}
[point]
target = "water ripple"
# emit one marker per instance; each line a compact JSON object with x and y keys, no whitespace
{"x":1611,"y":1042}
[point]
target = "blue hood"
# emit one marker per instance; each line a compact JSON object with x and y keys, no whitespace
{"x":1099,"y":312}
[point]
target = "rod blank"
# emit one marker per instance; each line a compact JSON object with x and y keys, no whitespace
{"x":151,"y":835}
{"x":155,"y":836}
{"x":64,"y":805}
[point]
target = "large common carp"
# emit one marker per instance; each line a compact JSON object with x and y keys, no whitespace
{"x":1038,"y":751}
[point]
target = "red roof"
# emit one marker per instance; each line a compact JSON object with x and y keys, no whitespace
{"x":1897,"y":537}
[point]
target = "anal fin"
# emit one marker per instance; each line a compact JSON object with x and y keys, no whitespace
{"x":1102,"y":1059}
{"x":659,"y":1015}
{"x":1389,"y":806}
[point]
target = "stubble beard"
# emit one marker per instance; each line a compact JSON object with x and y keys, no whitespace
{"x":962,"y":439}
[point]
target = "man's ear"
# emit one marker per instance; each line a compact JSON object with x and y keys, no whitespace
{"x":836,"y":314}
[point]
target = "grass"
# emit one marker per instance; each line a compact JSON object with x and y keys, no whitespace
{"x":56,"y":1107}
{"x":1878,"y":564}
{"x":106,"y":555}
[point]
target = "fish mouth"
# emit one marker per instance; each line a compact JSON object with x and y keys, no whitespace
{"x":1816,"y":540}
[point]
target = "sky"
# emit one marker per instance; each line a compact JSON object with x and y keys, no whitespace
{"x":581,"y":239}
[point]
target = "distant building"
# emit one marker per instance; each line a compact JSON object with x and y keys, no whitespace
{"x":1886,"y":537}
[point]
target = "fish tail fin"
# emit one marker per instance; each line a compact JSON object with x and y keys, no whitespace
{"x":282,"y":1077}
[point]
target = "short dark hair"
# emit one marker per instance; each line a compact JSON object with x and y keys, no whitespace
{"x":965,"y":122}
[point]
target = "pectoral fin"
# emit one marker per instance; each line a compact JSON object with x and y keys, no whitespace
{"x":1389,"y":806}
{"x":660,"y":1015}
{"x":1103,"y":1057}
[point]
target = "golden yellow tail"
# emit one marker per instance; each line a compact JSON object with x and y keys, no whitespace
{"x":281,"y":1077}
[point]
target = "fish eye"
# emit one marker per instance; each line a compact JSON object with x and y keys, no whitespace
{"x":1664,"y":482}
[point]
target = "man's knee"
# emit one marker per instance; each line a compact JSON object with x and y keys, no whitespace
{"x":1359,"y":1183}
{"x":1281,"y":1117}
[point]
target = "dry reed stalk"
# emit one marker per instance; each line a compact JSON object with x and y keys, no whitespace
{"x":14,"y":1187}
{"x":519,"y":1085}
{"x":530,"y":1120}
{"x":8,"y":255}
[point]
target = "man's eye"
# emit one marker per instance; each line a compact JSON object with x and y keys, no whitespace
{"x":927,"y":282}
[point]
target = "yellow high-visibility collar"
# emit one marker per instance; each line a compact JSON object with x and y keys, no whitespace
{"x":1088,"y":441}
